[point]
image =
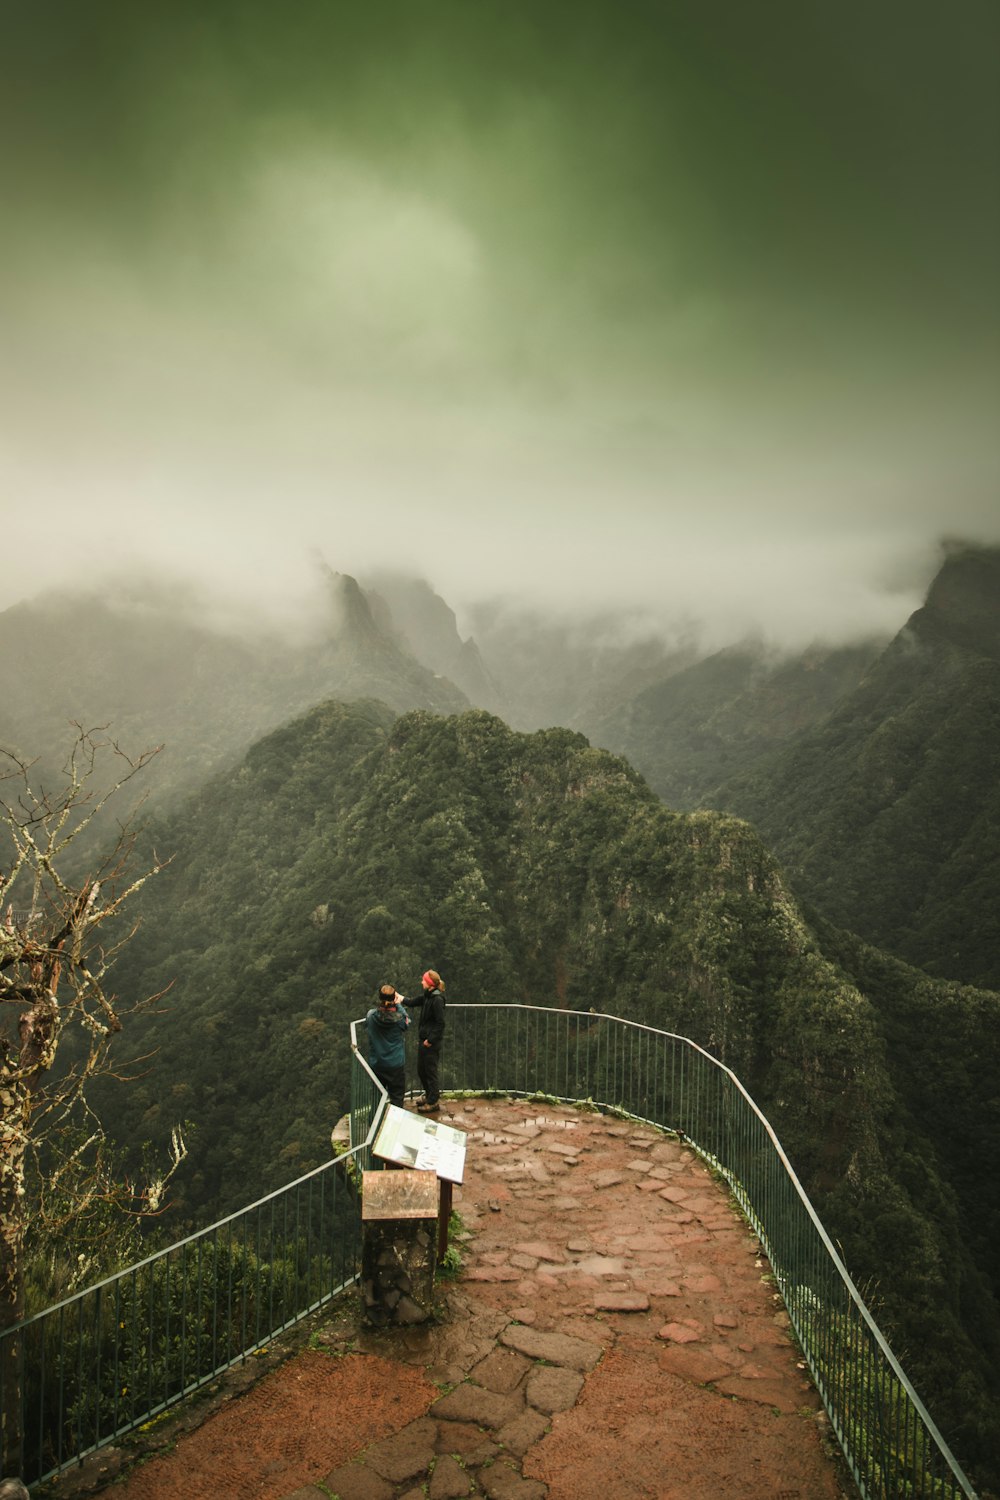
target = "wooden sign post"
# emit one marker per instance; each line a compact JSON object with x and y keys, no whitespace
{"x":410,"y":1140}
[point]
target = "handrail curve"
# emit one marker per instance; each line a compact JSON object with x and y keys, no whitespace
{"x":99,"y":1364}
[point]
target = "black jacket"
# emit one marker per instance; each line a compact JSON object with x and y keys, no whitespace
{"x":431,"y":1007}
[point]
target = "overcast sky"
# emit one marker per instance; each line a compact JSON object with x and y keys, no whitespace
{"x":691,"y":308}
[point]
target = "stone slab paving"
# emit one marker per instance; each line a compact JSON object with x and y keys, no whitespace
{"x":601,"y":1258}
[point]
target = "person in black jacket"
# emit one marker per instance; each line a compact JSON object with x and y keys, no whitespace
{"x":430,"y":1035}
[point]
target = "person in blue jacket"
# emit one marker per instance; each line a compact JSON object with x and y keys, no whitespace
{"x":430,"y":1035}
{"x":386,"y":1025}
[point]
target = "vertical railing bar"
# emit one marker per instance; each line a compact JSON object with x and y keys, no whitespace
{"x":150,"y":1335}
{"x":116,"y":1356}
{"x":309,"y":1243}
{"x":548,"y":1080}
{"x":199,"y":1315}
{"x":62,"y":1383}
{"x":637,"y":1072}
{"x":901,"y":1410}
{"x":864,"y":1436}
{"x":258,"y":1297}
{"x":245,"y":1285}
{"x":906,"y":1438}
{"x":891,"y":1427}
{"x":626,"y":1065}
{"x":166,"y":1328}
{"x":287,"y":1249}
{"x":214,"y":1284}
{"x":324,"y":1285}
{"x":675,"y":1113}
{"x":619,"y":1067}
{"x":96,"y":1377}
{"x":228,"y":1331}
{"x":60,"y":1386}
{"x":184,"y":1317}
{"x":79,"y":1363}
{"x":871,"y":1420}
{"x":854,"y":1387}
{"x":271,"y":1276}
{"x":292,"y":1261}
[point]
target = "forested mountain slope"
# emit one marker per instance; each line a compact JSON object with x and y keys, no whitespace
{"x":349,"y":847}
{"x":570,"y":672}
{"x":684,"y":717}
{"x":887,"y":814}
{"x":722,"y":714}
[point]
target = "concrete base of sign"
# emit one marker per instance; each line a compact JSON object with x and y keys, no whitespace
{"x":340,"y":1136}
{"x":399,"y":1245}
{"x":397,"y":1273}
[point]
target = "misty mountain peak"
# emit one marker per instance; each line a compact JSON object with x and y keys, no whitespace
{"x":354,"y":616}
{"x":964,"y":597}
{"x":410,"y":608}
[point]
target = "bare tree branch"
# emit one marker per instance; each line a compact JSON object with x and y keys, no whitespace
{"x":59,"y":938}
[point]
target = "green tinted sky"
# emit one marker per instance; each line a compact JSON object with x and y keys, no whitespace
{"x":691,"y":304}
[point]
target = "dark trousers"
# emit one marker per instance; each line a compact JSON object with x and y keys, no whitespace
{"x":393,"y":1080}
{"x":427,"y":1068}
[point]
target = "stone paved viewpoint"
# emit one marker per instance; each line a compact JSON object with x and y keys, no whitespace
{"x":614,"y":1335}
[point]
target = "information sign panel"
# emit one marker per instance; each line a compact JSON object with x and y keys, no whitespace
{"x":412,"y":1140}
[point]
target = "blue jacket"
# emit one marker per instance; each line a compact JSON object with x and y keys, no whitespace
{"x":386,"y":1026}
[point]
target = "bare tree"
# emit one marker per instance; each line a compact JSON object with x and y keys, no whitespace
{"x":59,"y":936}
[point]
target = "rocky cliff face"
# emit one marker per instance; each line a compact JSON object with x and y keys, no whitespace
{"x":410,"y":611}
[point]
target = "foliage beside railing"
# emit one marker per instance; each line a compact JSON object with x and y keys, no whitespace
{"x":367,"y":1097}
{"x":112,"y":1357}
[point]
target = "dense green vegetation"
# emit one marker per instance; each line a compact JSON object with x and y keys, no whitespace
{"x":874,"y":777}
{"x":350,"y":846}
{"x":691,"y":730}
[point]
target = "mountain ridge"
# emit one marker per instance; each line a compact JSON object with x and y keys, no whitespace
{"x":886,"y":814}
{"x":868,"y":768}
{"x":161,"y":677}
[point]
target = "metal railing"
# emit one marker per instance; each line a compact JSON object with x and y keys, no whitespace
{"x":367,"y":1095}
{"x":111,"y":1358}
{"x":103,"y":1362}
{"x":894,"y":1450}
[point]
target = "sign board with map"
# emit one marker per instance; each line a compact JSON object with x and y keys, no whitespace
{"x":412,"y":1140}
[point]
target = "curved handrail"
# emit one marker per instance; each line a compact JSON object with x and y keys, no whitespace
{"x":98,"y":1364}
{"x":891,"y":1443}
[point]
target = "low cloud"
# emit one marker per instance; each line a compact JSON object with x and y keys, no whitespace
{"x":473,"y":334}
